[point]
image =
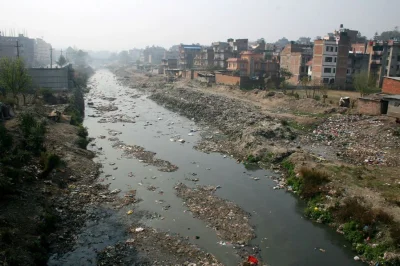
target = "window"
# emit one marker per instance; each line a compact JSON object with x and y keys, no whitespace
{"x":335,"y":59}
{"x":385,"y":72}
{"x":328,"y":59}
{"x":327,"y":48}
{"x":334,"y":70}
{"x":398,"y":67}
{"x":398,"y":58}
{"x":347,"y":71}
{"x":325,"y":80}
{"x":301,"y":69}
{"x":327,"y":70}
{"x":336,"y":49}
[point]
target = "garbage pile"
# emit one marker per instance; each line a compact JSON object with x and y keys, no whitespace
{"x":162,"y":249}
{"x":138,"y":152}
{"x":359,"y":139}
{"x":228,"y":219}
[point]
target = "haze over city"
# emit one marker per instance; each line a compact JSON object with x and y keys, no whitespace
{"x":123,"y":24}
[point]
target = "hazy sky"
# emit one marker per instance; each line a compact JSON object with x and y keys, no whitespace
{"x":124,"y":24}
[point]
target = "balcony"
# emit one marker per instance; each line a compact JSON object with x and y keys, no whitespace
{"x":376,"y":62}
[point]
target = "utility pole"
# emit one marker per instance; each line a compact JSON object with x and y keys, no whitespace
{"x":51,"y":57}
{"x":18,"y":49}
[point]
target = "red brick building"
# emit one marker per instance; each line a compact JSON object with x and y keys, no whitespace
{"x":391,"y":85}
{"x":294,"y":57}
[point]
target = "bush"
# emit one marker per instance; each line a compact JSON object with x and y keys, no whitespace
{"x":395,"y":233}
{"x":317,"y":97}
{"x":82,"y":131}
{"x":396,"y":132}
{"x":316,"y":212}
{"x":284,"y":122}
{"x":312,"y":181}
{"x":49,"y":161}
{"x":353,"y":232}
{"x":5,"y":139}
{"x":6,"y":185}
{"x":82,"y":142}
{"x":352,"y":209}
{"x":33,"y":132}
{"x":48,"y":96}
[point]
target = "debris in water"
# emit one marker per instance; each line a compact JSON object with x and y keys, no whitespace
{"x":129,"y":212}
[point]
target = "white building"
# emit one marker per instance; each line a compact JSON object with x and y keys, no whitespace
{"x":41,"y":53}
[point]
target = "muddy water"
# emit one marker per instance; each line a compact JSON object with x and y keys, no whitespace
{"x":284,"y":236}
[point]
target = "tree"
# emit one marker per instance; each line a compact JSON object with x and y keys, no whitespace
{"x":61,"y":61}
{"x":14,"y":77}
{"x":304,"y":83}
{"x":365,"y":84}
{"x":284,"y":75}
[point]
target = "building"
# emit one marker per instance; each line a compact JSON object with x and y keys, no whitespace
{"x":167,"y":64}
{"x":153,"y":55}
{"x":187,"y":53}
{"x":21,"y":46}
{"x":330,"y":59}
{"x":356,"y":63}
{"x":294,"y":57}
{"x":222,"y":52}
{"x":384,"y":60}
{"x":252,"y":64}
{"x":42,"y":52}
{"x":205,"y":58}
{"x":238,"y":46}
{"x":391,"y":85}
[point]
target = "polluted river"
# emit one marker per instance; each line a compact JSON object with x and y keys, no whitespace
{"x":128,"y":129}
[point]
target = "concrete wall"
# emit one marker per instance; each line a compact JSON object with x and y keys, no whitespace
{"x":394,"y":108}
{"x":54,"y":78}
{"x":369,"y":107}
{"x":226,"y":79}
{"x":391,"y":86}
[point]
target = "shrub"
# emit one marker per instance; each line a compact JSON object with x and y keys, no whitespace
{"x":50,"y":161}
{"x":312,"y":180}
{"x":82,"y":142}
{"x":48,"y":96}
{"x":316,"y":212}
{"x":33,"y":132}
{"x":396,"y":132}
{"x":352,"y":209}
{"x":6,"y":185}
{"x":395,"y":233}
{"x":317,"y":97}
{"x":5,"y":139}
{"x":284,"y":122}
{"x":82,"y":131}
{"x":353,"y":232}
{"x":252,"y":159}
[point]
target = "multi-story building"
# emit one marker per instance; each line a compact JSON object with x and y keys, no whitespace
{"x":42,"y":52}
{"x":135,"y":54}
{"x":153,"y":55}
{"x":187,"y":53}
{"x":18,"y":46}
{"x":357,"y":62}
{"x":330,"y":59}
{"x":294,"y":57}
{"x":222,"y":52}
{"x":238,"y":46}
{"x":205,"y":58}
{"x":384,"y":60}
{"x":252,"y":64}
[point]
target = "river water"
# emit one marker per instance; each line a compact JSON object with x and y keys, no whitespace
{"x":283,"y":235}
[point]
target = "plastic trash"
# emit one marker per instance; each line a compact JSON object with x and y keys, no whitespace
{"x":129,"y":212}
{"x":356,"y":258}
{"x":115,"y":191}
{"x":139,"y":229}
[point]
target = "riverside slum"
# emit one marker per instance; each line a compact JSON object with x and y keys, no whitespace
{"x":357,"y":152}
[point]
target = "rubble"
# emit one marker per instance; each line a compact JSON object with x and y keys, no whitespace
{"x":230,"y":221}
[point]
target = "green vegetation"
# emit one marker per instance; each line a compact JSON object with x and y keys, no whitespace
{"x":82,"y":143}
{"x":82,"y":131}
{"x":365,"y":84}
{"x":14,"y":77}
{"x":49,"y":161}
{"x":61,"y":61}
{"x":316,"y":211}
{"x":33,"y":132}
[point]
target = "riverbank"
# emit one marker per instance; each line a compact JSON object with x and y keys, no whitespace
{"x":357,"y":155}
